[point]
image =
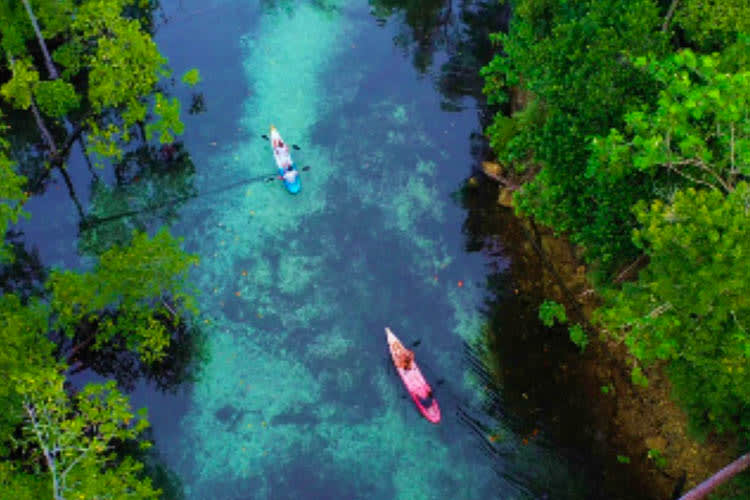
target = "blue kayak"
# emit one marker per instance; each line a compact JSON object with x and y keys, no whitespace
{"x":284,"y":161}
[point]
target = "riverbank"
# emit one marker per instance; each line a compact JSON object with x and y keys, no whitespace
{"x":638,"y":438}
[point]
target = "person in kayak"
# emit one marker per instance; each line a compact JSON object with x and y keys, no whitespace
{"x":404,"y":357}
{"x":290,"y":175}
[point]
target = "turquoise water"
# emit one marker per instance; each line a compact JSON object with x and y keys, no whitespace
{"x":297,"y":398}
{"x":297,"y":290}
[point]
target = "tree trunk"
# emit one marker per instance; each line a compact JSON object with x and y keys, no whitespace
{"x":713,"y":482}
{"x":43,"y":129}
{"x":56,"y":493}
{"x":47,"y":59}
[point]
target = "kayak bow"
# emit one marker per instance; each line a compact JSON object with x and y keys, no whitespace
{"x":419,"y":390}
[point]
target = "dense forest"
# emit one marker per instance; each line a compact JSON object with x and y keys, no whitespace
{"x":633,"y":139}
{"x":88,"y":74}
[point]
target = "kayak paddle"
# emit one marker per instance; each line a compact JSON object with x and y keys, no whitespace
{"x":294,"y":146}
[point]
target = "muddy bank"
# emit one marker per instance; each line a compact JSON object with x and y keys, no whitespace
{"x":633,"y":441}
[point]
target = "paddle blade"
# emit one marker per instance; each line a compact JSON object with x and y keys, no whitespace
{"x":416,"y":342}
{"x":264,"y":136}
{"x":306,"y":168}
{"x":294,"y":146}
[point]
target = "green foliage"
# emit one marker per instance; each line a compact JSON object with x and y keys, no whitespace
{"x":70,"y":56}
{"x":709,"y":24}
{"x":54,"y":16}
{"x":12,"y":198}
{"x":191,"y":77}
{"x":622,"y":113}
{"x":169,"y":122}
{"x":104,"y":141}
{"x":638,"y":377}
{"x":690,"y":305}
{"x":124,"y":68}
{"x":18,"y":484}
{"x":56,"y":98}
{"x":109,"y":67}
{"x":658,"y":458}
{"x":26,"y":352}
{"x":125,"y":294}
{"x":512,"y":137}
{"x":128,"y":64}
{"x":623,"y":459}
{"x":573,"y":57}
{"x":551,"y":311}
{"x":699,"y":128}
{"x":19,"y":89}
{"x":52,"y":444}
{"x":607,"y":389}
{"x":578,"y":336}
{"x":15,"y":30}
{"x":75,"y":438}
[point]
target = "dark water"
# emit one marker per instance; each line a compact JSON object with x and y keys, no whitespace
{"x":296,"y":397}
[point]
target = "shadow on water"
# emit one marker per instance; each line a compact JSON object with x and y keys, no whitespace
{"x":536,"y":372}
{"x":447,"y":40}
{"x":181,"y":364}
{"x":149,"y":186}
{"x":155,"y":468}
{"x":23,"y":275}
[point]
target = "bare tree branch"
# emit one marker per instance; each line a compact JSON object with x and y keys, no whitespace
{"x":47,"y":455}
{"x":691,"y":178}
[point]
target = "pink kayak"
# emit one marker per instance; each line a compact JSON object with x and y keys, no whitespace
{"x":419,"y":390}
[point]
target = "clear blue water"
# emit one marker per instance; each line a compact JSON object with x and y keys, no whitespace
{"x":297,"y":398}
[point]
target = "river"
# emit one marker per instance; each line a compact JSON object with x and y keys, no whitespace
{"x":296,"y":397}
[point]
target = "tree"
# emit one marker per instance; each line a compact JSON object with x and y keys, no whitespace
{"x":26,"y":352}
{"x":691,"y":305}
{"x":129,"y":294}
{"x":712,"y":24}
{"x":11,"y":192}
{"x":698,"y":131}
{"x":110,"y":68}
{"x":76,"y":438}
{"x":573,"y":59}
{"x":89,"y":70}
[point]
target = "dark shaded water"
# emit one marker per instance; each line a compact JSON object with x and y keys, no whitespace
{"x":296,"y":397}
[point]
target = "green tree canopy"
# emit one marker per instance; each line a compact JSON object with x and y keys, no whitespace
{"x":75,"y":438}
{"x":127,"y":294}
{"x":691,"y":305}
{"x":574,"y":58}
{"x":101,"y":69}
{"x":12,"y":197}
{"x":698,"y":131}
